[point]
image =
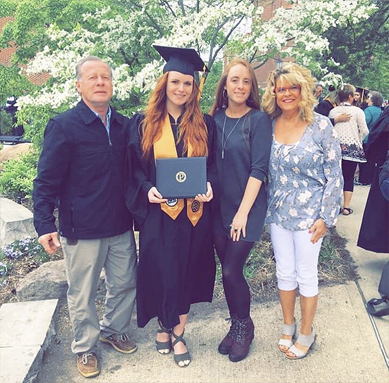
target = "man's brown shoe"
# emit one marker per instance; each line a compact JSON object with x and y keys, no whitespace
{"x":87,"y":364}
{"x":120,"y":342}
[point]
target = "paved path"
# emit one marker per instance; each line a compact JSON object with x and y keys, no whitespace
{"x":351,"y":346}
{"x":369,"y":264}
{"x":347,"y":348}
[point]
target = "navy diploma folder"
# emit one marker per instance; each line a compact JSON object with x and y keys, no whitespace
{"x":182,"y":177}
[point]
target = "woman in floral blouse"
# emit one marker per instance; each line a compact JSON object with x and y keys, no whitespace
{"x":305,"y":189}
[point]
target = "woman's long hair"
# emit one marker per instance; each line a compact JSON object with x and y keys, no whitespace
{"x":294,"y":74}
{"x":221,"y":98}
{"x":192,"y":126}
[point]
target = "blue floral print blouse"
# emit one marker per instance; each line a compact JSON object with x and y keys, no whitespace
{"x":305,"y":179}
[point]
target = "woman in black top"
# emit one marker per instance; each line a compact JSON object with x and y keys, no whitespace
{"x":242,"y":154}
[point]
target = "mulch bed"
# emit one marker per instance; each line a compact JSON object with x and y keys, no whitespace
{"x":18,"y":269}
{"x":335,"y":269}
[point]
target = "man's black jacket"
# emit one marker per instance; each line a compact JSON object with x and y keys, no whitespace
{"x":81,"y":169}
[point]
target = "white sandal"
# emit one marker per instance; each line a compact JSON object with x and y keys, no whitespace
{"x":306,"y":341}
{"x":287,"y":329}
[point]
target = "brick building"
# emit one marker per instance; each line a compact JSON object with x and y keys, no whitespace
{"x":6,"y":56}
{"x":269,"y":7}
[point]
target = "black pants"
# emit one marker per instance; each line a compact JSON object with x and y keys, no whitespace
{"x":232,"y":256}
{"x":383,"y":287}
{"x":348,"y":170}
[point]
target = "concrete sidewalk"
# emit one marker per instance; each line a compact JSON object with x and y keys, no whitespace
{"x":369,"y":265}
{"x":350,"y":347}
{"x":347,"y":349}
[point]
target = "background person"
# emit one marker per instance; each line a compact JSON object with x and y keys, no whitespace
{"x":318,"y":92}
{"x":360,"y":98}
{"x":373,"y":234}
{"x":357,"y":99}
{"x":82,"y":164}
{"x":351,"y":133}
{"x":329,"y":102}
{"x":176,"y":256}
{"x":305,"y":186}
{"x":242,"y":157}
{"x":380,"y":307}
{"x":372,"y":112}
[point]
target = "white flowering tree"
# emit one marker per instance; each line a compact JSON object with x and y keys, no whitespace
{"x":123,"y":35}
{"x":125,"y":38}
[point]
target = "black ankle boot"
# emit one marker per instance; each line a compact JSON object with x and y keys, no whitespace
{"x":243,"y":338}
{"x":226,"y":344}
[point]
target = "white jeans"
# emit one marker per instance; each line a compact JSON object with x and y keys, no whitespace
{"x":296,"y":260}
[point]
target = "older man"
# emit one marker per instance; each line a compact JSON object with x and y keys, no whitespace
{"x":82,"y":168}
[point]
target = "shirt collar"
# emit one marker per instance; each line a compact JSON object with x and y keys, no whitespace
{"x":108,"y":114}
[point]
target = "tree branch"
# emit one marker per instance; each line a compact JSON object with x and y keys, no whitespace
{"x":227,"y":37}
{"x":167,"y":5}
{"x":154,"y":22}
{"x":261,"y":63}
{"x":181,"y":4}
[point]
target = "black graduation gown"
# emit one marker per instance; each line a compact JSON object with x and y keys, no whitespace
{"x":324,"y":107}
{"x":176,"y":260}
{"x":374,"y":232}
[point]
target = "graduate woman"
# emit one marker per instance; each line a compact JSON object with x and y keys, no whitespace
{"x":176,"y":257}
{"x":244,"y":136}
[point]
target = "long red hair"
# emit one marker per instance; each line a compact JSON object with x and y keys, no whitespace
{"x":192,"y":127}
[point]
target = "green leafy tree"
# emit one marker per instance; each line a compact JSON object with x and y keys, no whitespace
{"x":28,"y":31}
{"x":53,"y":35}
{"x":360,"y":51}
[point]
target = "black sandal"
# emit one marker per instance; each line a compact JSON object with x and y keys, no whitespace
{"x":350,"y":211}
{"x":163,"y":348}
{"x":378,"y":307}
{"x":181,"y":358}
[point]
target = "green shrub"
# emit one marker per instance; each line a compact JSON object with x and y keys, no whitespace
{"x":4,"y":267}
{"x":16,"y":178}
{"x":5,"y":123}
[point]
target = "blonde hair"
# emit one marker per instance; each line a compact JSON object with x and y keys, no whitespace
{"x":294,"y":74}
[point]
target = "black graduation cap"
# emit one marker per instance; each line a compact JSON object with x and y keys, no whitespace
{"x":183,"y":60}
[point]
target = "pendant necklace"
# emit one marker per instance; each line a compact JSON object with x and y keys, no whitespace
{"x":224,"y":140}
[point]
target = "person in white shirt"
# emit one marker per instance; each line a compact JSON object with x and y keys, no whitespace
{"x":351,"y":134}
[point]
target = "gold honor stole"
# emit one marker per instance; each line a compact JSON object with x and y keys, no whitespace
{"x":165,"y":147}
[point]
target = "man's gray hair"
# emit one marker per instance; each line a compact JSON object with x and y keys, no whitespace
{"x":81,"y":62}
